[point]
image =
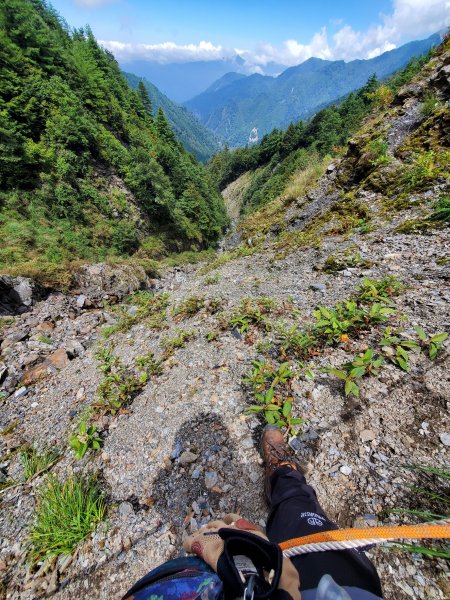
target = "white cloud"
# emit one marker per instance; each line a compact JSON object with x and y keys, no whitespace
{"x":409,"y":19}
{"x":94,"y":3}
{"x":168,"y":52}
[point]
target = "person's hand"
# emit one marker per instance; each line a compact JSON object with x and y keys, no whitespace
{"x":209,"y":544}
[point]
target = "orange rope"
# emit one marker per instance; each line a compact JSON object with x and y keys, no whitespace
{"x":405,"y":532}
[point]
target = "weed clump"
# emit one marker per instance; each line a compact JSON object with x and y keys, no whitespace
{"x":189,"y":307}
{"x":66,"y":514}
{"x":271,"y":389}
{"x":252,"y":311}
{"x":150,"y":308}
{"x":34,"y":461}
{"x":178,"y":341}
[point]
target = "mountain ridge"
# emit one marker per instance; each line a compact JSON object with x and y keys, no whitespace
{"x":265,"y":102}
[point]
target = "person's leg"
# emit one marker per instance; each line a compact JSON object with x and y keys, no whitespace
{"x":295,"y":512}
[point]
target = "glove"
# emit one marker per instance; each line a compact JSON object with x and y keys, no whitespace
{"x":242,"y":556}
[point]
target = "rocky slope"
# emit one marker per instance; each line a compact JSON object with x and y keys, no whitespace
{"x":181,"y":449}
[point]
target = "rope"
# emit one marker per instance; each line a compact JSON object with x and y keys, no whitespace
{"x":345,"y":539}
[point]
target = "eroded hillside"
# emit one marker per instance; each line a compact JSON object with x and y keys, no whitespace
{"x":167,"y":376}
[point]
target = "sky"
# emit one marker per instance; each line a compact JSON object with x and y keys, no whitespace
{"x":286,"y":32}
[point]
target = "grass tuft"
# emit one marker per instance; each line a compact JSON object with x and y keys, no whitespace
{"x":66,"y":514}
{"x":34,"y":461}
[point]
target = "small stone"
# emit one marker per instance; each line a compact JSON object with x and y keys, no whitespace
{"x":80,"y":394}
{"x":21,"y":392}
{"x":346,"y":470}
{"x":247,"y":443}
{"x":445,"y":438}
{"x":367,"y":435}
{"x":196,"y":473}
{"x":45,"y":326}
{"x":127,"y":543}
{"x":177,"y":450}
{"x":105,"y":457}
{"x":347,"y":273}
{"x":81,"y":300}
{"x":132,"y":311}
{"x":211,"y":479}
{"x":187,"y":458}
{"x":125,"y":509}
{"x":34,"y":404}
{"x":318,"y":287}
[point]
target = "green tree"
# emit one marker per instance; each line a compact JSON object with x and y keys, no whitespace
{"x":145,"y":98}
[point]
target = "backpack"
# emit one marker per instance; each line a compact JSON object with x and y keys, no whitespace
{"x":188,"y":578}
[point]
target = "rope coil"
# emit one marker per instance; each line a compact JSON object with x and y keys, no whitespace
{"x":346,"y":539}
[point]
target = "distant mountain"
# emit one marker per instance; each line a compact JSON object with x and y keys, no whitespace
{"x":181,"y":81}
{"x":194,"y":136}
{"x":235,"y":106}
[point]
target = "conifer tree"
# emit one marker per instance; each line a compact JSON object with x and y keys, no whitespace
{"x":145,"y":98}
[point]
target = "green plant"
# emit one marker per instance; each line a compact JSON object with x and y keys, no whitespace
{"x":296,"y":342}
{"x":66,"y":513}
{"x":347,"y":259}
{"x":212,"y":336}
{"x":431,"y":344}
{"x":270,"y":386}
{"x":378,"y":290}
{"x":151,"y":308}
{"x":396,"y":348}
{"x":44,"y":339}
{"x":189,"y":307}
{"x":441,"y":213}
{"x":378,"y":152}
{"x":431,"y":502}
{"x":85,"y":439}
{"x":429,"y":104}
{"x":252,"y":311}
{"x":34,"y":462}
{"x":332,"y":323}
{"x":119,"y":384}
{"x":178,"y":341}
{"x":149,"y":364}
{"x":212,"y":279}
{"x":425,"y":167}
{"x":264,"y":347}
{"x":363,"y":365}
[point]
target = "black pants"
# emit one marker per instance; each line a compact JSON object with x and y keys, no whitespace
{"x":295,"y":512}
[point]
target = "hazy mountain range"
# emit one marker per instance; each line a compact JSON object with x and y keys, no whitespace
{"x":236,"y":104}
{"x":182,"y":81}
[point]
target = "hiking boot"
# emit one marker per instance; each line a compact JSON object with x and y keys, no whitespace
{"x":276,"y":453}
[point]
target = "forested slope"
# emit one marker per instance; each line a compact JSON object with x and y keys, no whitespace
{"x":194,"y":136}
{"x":85,"y":172}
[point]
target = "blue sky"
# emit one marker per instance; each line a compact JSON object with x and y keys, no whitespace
{"x":283,"y":31}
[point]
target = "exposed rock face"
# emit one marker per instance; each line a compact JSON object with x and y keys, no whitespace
{"x":109,"y":282}
{"x":18,"y":294}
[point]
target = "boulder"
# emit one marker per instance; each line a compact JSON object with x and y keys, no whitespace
{"x":101,"y":281}
{"x":18,"y":294}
